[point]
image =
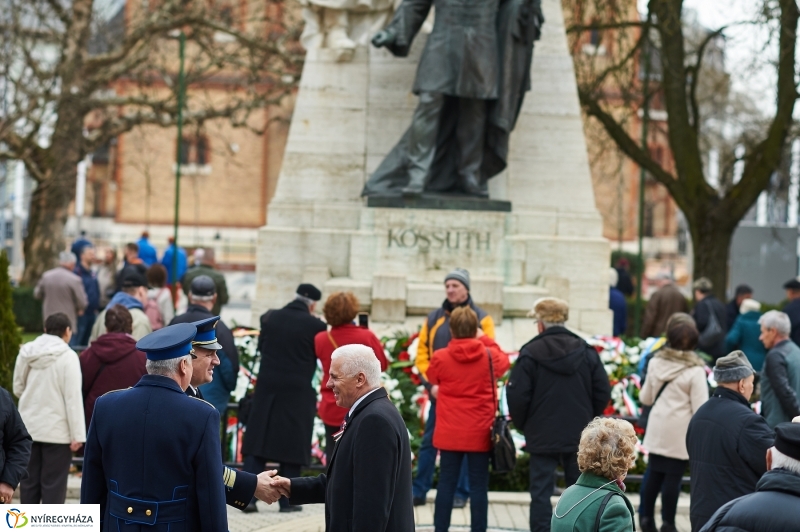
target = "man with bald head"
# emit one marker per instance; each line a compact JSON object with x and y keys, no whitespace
{"x":368,"y":483}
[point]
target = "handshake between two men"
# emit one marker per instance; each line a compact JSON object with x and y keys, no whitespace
{"x":272,"y":487}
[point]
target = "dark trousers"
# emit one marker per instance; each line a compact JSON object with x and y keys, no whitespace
{"x":449,"y":473}
{"x":48,"y":469}
{"x":257,"y":464}
{"x":542,"y":480}
{"x":426,"y":463}
{"x":330,"y":430}
{"x":663,"y":476}
{"x":84,"y":329}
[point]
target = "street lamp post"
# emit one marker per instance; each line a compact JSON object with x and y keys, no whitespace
{"x":642,"y":175}
{"x":179,"y":149}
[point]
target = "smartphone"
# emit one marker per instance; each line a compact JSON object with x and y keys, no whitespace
{"x":363,"y":320}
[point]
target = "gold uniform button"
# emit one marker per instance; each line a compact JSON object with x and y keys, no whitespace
{"x":130,"y":510}
{"x":148,"y":512}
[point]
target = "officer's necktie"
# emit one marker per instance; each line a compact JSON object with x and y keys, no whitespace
{"x":344,"y":423}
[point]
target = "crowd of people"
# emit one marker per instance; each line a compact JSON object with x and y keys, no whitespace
{"x":557,"y":392}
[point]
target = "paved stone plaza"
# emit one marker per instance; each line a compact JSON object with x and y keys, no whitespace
{"x":507,"y":512}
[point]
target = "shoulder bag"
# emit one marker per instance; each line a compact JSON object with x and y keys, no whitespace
{"x":645,"y":415}
{"x":504,"y":453}
{"x":713,"y":332}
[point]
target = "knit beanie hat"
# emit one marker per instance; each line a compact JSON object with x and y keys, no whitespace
{"x":733,"y":367}
{"x":459,"y":274}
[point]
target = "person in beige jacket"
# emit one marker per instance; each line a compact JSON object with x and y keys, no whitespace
{"x":48,"y":382}
{"x":676,"y":387}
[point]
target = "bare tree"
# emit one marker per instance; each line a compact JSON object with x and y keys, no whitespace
{"x":683,"y":82}
{"x":78,"y":78}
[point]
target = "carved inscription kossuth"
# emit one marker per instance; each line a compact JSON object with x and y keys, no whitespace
{"x":451,"y":239}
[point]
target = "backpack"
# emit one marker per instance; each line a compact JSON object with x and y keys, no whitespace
{"x":153,"y":313}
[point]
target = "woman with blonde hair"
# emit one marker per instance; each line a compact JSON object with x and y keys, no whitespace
{"x":597,"y":501}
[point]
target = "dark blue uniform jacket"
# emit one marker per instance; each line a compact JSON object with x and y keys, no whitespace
{"x":153,"y":461}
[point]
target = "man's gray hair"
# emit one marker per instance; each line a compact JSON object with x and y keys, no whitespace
{"x":775,"y":319}
{"x":357,"y":358}
{"x":781,"y":461}
{"x":307,"y":300}
{"x":66,"y":257}
{"x":165,"y":368}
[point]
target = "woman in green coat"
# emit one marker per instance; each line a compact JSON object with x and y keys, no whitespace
{"x":597,"y":503}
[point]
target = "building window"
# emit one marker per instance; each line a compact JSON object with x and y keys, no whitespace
{"x":195,"y":155}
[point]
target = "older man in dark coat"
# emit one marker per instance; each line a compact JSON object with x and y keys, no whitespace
{"x":281,"y":421}
{"x":727,"y":441}
{"x":471,"y":80}
{"x":776,"y":503}
{"x":367,"y":487}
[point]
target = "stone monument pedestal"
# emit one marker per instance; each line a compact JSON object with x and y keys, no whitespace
{"x":540,"y":234}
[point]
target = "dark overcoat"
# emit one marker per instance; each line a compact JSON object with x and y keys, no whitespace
{"x":153,"y":461}
{"x":284,"y":402}
{"x":774,"y":506}
{"x":368,"y":484}
{"x":15,"y":442}
{"x":727,"y":444}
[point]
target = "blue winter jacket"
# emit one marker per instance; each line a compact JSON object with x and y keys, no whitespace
{"x":744,"y":335}
{"x":90,"y":286}
{"x":147,"y":252}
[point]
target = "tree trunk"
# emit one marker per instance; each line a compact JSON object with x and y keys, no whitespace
{"x":45,"y":237}
{"x":51,"y":199}
{"x":711,"y":242}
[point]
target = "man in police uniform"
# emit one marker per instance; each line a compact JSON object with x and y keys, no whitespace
{"x":240,"y":486}
{"x":202,"y":299}
{"x":152,"y":452}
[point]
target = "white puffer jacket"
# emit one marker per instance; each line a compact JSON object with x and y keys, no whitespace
{"x":48,"y":382}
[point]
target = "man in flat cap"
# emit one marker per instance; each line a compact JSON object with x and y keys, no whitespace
{"x":726,"y":441}
{"x":776,"y":503}
{"x":434,"y":335}
{"x":281,"y":421}
{"x":151,"y":449}
{"x":792,"y":308}
{"x":557,"y":386}
{"x":202,"y":299}
{"x":711,"y":317}
{"x":132,"y":296}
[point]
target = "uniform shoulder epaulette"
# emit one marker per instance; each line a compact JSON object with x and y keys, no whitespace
{"x":202,"y":401}
{"x":114,"y":391}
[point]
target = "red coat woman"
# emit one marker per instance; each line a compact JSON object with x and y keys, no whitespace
{"x":340,"y":310}
{"x":465,"y":390}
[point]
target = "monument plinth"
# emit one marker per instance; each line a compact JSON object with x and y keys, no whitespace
{"x":393,"y":253}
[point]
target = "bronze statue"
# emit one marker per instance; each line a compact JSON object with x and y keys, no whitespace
{"x":471,"y":81}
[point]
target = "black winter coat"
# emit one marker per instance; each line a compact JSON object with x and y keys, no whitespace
{"x":774,"y":506}
{"x":792,"y":309}
{"x":368,"y":484}
{"x":284,"y":403}
{"x":557,"y":386}
{"x":702,"y":316}
{"x":727,"y":444}
{"x":16,"y":442}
